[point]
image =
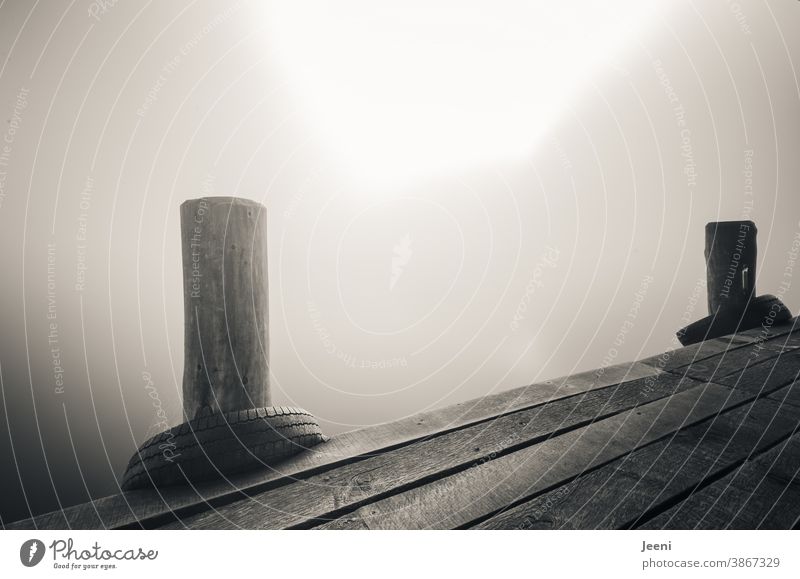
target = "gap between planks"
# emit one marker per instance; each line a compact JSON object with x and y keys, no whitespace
{"x":302,"y":503}
{"x":630,"y":489}
{"x":460,"y":499}
{"x":136,"y":509}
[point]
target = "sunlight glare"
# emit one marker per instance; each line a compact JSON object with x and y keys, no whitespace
{"x":400,"y":89}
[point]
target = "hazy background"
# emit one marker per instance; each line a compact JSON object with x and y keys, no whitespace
{"x":463,"y":198}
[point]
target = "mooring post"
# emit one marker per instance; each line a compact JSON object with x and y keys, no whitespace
{"x":226,"y":335}
{"x":731,"y":273}
{"x":230,"y":425}
{"x":730,"y":265}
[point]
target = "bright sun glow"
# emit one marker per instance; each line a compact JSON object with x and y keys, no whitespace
{"x":407,"y":88}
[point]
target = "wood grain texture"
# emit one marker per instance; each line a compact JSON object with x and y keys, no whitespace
{"x":322,"y":496}
{"x":735,"y":361}
{"x":479,"y":492}
{"x":763,"y":493}
{"x":139,"y":507}
{"x":226,"y":311}
{"x":681,"y":357}
{"x":770,"y":332}
{"x":627,"y":489}
{"x":789,"y":395}
{"x":153,"y":507}
{"x":730,"y":254}
{"x":702,"y":351}
{"x":766,"y":375}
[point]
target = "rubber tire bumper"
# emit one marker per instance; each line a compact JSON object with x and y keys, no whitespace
{"x":219,"y":444}
{"x":765,"y":310}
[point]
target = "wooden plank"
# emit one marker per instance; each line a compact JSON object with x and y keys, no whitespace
{"x":317,"y":498}
{"x":130,"y":508}
{"x":735,"y":360}
{"x":786,"y":341}
{"x":769,"y":506}
{"x":621,"y":492}
{"x":138,"y":507}
{"x":764,"y":493}
{"x":766,"y":375}
{"x":788,"y":395}
{"x":683,"y":356}
{"x":768,"y":333}
{"x":478,"y":492}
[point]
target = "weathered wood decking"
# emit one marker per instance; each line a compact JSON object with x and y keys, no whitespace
{"x":705,"y":436}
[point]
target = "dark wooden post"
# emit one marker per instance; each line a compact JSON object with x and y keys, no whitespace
{"x":226,"y":339}
{"x":730,"y":265}
{"x":731,"y":272}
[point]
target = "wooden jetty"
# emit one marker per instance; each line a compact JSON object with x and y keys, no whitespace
{"x":704,"y":436}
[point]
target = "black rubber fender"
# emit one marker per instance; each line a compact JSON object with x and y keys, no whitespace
{"x":765,"y":310}
{"x":218,"y":444}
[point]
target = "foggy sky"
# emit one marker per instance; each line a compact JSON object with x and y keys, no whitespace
{"x":408,"y":269}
